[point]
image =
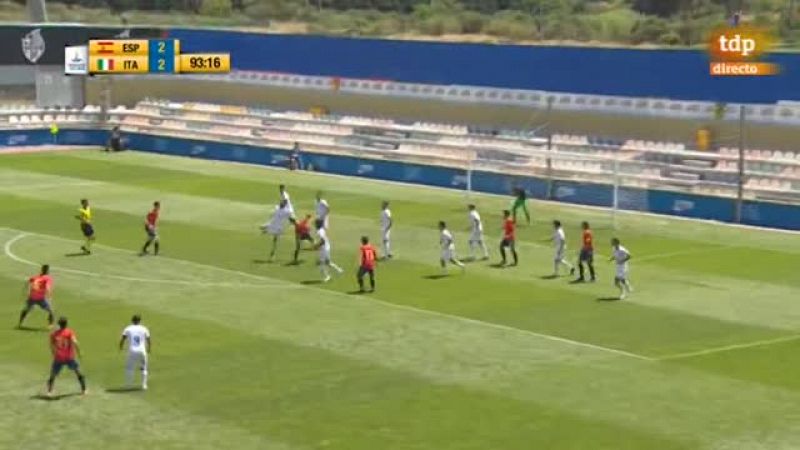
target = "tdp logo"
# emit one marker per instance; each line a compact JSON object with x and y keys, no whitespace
{"x":737,"y":44}
{"x":736,"y":52}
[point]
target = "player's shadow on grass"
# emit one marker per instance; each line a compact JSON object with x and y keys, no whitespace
{"x":436,"y":277}
{"x":53,"y":398}
{"x":357,"y":293}
{"x":262,"y":261}
{"x":75,"y":254}
{"x":549,"y":277}
{"x":608,"y":299}
{"x":32,"y":329}
{"x":124,"y":390}
{"x":294,"y":263}
{"x":311,"y":282}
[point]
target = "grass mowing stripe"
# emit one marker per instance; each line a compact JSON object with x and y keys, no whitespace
{"x":281,"y":283}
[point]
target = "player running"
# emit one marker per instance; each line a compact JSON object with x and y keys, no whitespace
{"x":476,"y":233}
{"x":151,"y":228}
{"x":369,"y":256}
{"x":324,"y":246}
{"x":509,"y":238}
{"x":85,"y":218}
{"x":302,"y":232}
{"x":386,"y":228}
{"x":40,"y":289}
{"x":621,"y":256}
{"x":323,"y":210}
{"x":448,"y":248}
{"x":560,"y":246}
{"x":587,"y":253}
{"x":65,"y":350}
{"x":275,"y":226}
{"x":520,"y":202}
{"x":283,"y":196}
{"x":138,"y":338}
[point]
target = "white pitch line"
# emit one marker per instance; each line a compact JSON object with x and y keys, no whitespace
{"x":7,"y":249}
{"x":287,"y":284}
{"x":728,"y":348}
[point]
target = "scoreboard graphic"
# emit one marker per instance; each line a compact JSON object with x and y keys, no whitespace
{"x":140,"y":56}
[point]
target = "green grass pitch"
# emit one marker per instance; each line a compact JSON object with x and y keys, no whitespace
{"x":250,"y":355}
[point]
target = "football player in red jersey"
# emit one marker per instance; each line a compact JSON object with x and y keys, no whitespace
{"x":151,"y":228}
{"x":509,"y":237}
{"x":65,"y":350}
{"x":367,"y":264}
{"x":40,"y":289}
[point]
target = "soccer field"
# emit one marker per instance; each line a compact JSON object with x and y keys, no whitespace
{"x":255,"y":355}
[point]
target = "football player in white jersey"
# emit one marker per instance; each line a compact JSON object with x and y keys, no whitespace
{"x":323,"y":210}
{"x":476,"y":233}
{"x":448,"y":246}
{"x":386,"y":228}
{"x":283,"y":196}
{"x":621,"y":256}
{"x":138,"y":338}
{"x":560,"y":247}
{"x":324,"y":247}
{"x":275,"y":225}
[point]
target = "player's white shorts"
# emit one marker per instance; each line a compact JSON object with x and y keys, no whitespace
{"x":448,"y":254}
{"x":621,"y":273}
{"x":387,"y":234}
{"x":559,"y":256}
{"x":324,"y":255}
{"x":476,"y":236}
{"x":136,"y":360}
{"x":275,"y":230}
{"x":326,"y":222}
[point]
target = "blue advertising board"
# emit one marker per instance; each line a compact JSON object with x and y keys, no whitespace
{"x":758,"y":213}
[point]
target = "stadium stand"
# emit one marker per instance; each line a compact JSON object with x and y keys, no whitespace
{"x":773,"y":175}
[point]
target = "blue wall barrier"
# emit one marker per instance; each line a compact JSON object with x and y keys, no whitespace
{"x":675,"y":74}
{"x":764,"y":214}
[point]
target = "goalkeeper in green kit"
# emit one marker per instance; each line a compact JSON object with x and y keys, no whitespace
{"x":520,"y":201}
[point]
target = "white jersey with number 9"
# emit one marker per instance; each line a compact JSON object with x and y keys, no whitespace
{"x":137,"y":338}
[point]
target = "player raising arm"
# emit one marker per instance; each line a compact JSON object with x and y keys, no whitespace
{"x":367,"y":264}
{"x":448,"y":245}
{"x":138,"y":338}
{"x":275,"y":225}
{"x":509,"y":238}
{"x":476,"y":233}
{"x":65,"y":350}
{"x":587,"y":253}
{"x":621,"y":256}
{"x":323,"y":210}
{"x":39,"y":289}
{"x":302,"y":232}
{"x":324,"y":246}
{"x":386,"y":229}
{"x":151,"y":228}
{"x":560,"y":247}
{"x":85,"y":218}
{"x":283,"y":196}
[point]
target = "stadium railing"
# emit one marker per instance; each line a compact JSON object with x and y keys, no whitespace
{"x":618,"y":165}
{"x":780,"y":113}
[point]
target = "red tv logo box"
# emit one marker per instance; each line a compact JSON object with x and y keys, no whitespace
{"x":735,"y":51}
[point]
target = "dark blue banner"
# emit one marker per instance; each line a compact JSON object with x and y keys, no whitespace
{"x":674,"y":74}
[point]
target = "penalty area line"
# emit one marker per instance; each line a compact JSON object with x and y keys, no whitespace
{"x":729,"y":348}
{"x":8,"y":250}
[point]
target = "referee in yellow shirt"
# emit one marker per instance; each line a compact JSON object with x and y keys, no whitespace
{"x":85,"y":217}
